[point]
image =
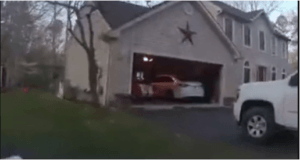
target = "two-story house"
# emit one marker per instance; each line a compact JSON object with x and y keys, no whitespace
{"x":264,"y":49}
{"x":210,"y":42}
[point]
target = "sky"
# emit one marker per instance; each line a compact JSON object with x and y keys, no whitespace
{"x":285,"y":7}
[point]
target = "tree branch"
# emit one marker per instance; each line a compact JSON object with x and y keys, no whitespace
{"x":91,"y":28}
{"x":81,"y":29}
{"x":78,"y":21}
{"x":77,"y":39}
{"x":62,"y":4}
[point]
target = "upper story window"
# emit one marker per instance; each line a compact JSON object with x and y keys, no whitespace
{"x":228,"y":27}
{"x":284,"y":50}
{"x":247,"y":35}
{"x":274,"y":45}
{"x":262,"y":43}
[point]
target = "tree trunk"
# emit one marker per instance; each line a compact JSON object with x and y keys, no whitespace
{"x":93,"y":78}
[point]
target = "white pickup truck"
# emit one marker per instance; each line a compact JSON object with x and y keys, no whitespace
{"x":262,"y":108}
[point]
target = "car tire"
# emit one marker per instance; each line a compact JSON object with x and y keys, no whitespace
{"x":258,"y":125}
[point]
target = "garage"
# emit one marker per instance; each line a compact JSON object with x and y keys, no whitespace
{"x":147,"y":67}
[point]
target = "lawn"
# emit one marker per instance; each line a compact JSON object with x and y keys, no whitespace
{"x":39,"y":125}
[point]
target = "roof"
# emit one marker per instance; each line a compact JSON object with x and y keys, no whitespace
{"x":120,"y":15}
{"x":246,"y":16}
{"x":117,"y":13}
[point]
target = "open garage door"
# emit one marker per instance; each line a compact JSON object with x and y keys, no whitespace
{"x":146,"y":68}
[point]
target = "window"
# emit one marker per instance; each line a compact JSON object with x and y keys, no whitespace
{"x":284,"y":50}
{"x":229,"y":28}
{"x":262,"y":40}
{"x":246,"y":72}
{"x":283,"y":74}
{"x":273,"y":74}
{"x":261,"y":73}
{"x":247,"y":35}
{"x":294,"y":81}
{"x":163,"y":79}
{"x":274,"y":46}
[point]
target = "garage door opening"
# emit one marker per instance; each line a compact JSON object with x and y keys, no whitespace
{"x":146,"y":68}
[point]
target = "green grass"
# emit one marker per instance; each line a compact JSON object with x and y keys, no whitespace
{"x":48,"y":127}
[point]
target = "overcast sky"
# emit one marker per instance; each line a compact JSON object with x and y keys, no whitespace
{"x":285,"y":7}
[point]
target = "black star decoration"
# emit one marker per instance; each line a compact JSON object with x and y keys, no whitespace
{"x":187,"y":33}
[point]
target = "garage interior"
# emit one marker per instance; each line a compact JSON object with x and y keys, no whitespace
{"x":149,"y":66}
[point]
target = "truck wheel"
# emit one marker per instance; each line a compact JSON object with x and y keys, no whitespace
{"x":258,"y":125}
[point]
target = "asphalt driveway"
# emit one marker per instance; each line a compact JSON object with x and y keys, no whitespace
{"x":218,"y":125}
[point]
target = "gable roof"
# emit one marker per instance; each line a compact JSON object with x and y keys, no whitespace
{"x":248,"y":16}
{"x":154,"y":10}
{"x":130,"y":14}
{"x":117,"y":13}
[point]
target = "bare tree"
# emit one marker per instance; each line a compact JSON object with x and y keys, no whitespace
{"x":292,"y":32}
{"x":248,"y":6}
{"x":75,"y":8}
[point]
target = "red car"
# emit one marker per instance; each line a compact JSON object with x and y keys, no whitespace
{"x":169,"y":86}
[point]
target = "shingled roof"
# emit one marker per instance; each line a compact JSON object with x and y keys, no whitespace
{"x":117,"y":13}
{"x":246,"y":16}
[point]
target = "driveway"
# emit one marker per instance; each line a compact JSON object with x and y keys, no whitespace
{"x":218,"y":125}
